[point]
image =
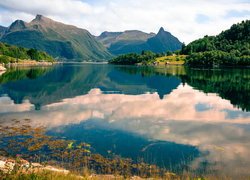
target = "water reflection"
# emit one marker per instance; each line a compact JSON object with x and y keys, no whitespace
{"x":72,"y":80}
{"x":185,"y":116}
{"x":173,"y":117}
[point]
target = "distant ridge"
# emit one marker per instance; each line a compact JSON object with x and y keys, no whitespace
{"x":134,"y":41}
{"x":59,"y":40}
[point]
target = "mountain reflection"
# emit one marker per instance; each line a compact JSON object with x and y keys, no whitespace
{"x":67,"y":81}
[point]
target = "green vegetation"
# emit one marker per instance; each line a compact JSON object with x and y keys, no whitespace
{"x":11,"y":54}
{"x":130,"y":59}
{"x":149,"y":58}
{"x":39,"y":175}
{"x":229,"y":48}
{"x":171,"y":59}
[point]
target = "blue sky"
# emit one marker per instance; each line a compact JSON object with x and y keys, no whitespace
{"x":186,"y":19}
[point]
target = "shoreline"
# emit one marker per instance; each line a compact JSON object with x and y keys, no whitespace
{"x":28,"y":63}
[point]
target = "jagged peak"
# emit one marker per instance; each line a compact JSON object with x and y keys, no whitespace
{"x":17,"y":25}
{"x":41,"y":18}
{"x":162,"y":30}
{"x":47,"y":22}
{"x":18,"y":22}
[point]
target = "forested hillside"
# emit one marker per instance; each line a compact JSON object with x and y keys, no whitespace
{"x":10,"y":53}
{"x":231,"y":47}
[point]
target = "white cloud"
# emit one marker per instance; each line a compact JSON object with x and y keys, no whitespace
{"x":178,"y":17}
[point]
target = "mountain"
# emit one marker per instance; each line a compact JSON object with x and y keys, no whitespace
{"x":164,"y":41}
{"x":59,"y":40}
{"x":2,"y":30}
{"x":106,"y":38}
{"x":134,"y":41}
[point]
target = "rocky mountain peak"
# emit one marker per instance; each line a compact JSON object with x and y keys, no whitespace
{"x":40,"y":18}
{"x":17,"y":25}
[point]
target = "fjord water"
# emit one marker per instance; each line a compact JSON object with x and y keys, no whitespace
{"x":175,"y":117}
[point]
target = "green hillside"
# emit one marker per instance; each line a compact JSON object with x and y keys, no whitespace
{"x":10,"y":53}
{"x":62,"y":41}
{"x":230,"y":48}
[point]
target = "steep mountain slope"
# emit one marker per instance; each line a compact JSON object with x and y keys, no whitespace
{"x":2,"y":30}
{"x":59,"y":40}
{"x":163,"y":41}
{"x":137,"y":41}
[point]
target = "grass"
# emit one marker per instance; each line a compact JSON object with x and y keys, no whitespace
{"x":7,"y":59}
{"x":41,"y":175}
{"x":172,"y":60}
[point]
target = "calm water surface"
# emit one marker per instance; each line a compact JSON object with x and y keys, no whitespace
{"x":174,"y":117}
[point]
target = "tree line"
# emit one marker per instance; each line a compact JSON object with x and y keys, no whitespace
{"x":134,"y":58}
{"x":229,"y":48}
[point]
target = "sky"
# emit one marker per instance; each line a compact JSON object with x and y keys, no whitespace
{"x":185,"y":19}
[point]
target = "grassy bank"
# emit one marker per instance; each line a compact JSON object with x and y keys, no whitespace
{"x":149,"y":58}
{"x":171,"y":60}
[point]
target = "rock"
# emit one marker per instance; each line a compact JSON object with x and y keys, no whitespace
{"x":36,"y":165}
{"x":51,"y":168}
{"x":2,"y":68}
{"x":7,"y":165}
